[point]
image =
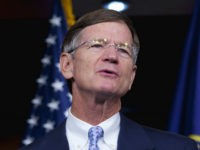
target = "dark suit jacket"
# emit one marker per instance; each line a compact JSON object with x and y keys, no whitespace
{"x":132,"y":136}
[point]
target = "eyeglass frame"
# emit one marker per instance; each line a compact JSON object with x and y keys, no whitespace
{"x":104,"y":42}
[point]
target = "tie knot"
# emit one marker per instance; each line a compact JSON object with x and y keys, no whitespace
{"x":94,"y":134}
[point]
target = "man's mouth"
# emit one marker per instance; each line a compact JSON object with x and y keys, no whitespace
{"x":108,"y":73}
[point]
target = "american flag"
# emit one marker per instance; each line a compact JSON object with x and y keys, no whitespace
{"x":52,"y":97}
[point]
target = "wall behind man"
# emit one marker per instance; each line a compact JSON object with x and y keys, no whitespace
{"x":22,"y":46}
{"x":162,"y":40}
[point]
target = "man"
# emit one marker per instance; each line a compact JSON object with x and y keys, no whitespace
{"x":99,"y":58}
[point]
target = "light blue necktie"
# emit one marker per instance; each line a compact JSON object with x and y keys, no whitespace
{"x":94,"y":134}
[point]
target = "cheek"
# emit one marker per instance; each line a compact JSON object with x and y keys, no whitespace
{"x":128,"y":76}
{"x":82,"y":67}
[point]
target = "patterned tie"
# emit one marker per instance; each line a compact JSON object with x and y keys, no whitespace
{"x":94,"y":134}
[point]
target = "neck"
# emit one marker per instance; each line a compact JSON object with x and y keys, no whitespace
{"x":93,"y":109}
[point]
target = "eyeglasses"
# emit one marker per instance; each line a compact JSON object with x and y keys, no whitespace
{"x":123,"y":49}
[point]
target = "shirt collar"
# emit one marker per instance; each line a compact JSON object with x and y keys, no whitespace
{"x":111,"y":129}
{"x":77,"y":129}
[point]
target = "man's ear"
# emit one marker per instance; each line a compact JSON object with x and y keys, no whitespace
{"x":66,"y":65}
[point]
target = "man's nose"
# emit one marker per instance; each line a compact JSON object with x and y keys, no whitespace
{"x":110,"y":54}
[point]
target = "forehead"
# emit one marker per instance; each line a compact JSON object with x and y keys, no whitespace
{"x":114,"y":31}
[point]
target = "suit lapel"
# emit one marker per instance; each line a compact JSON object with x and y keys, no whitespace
{"x":132,"y":136}
{"x":57,"y":139}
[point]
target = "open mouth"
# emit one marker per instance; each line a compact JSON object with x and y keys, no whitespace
{"x":108,"y":73}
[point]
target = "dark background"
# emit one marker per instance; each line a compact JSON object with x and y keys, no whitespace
{"x":23,"y":29}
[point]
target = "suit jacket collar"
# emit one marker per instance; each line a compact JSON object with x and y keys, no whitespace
{"x":57,"y":139}
{"x":132,"y":136}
